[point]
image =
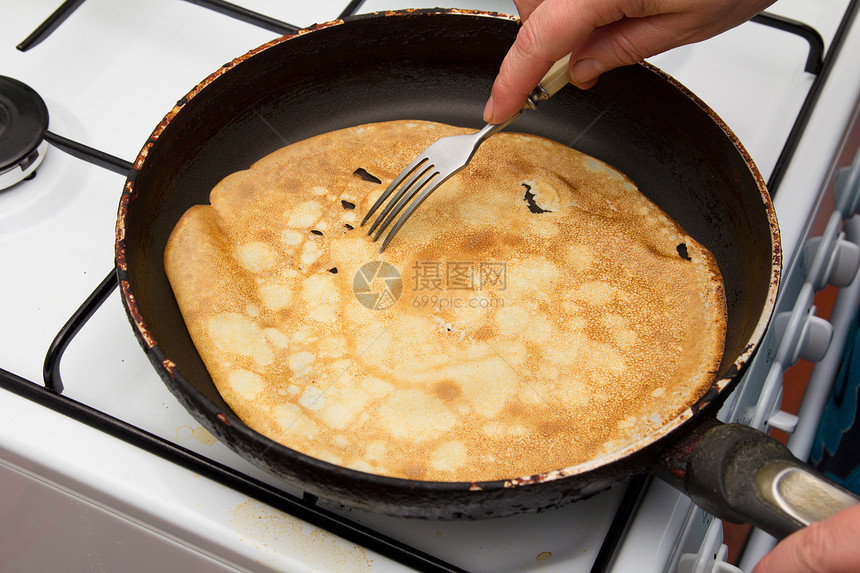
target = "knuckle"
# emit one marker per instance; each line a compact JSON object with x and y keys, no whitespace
{"x":539,"y":38}
{"x":625,"y":50}
{"x":528,"y":39}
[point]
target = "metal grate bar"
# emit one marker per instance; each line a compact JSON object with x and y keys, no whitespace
{"x":793,"y":139}
{"x":88,"y":154}
{"x":247,"y":16}
{"x":815,"y":59}
{"x":48,"y":26}
{"x":66,"y":9}
{"x":51,"y":366}
{"x":352,"y":8}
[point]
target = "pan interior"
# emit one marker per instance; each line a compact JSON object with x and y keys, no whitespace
{"x":633,"y":119}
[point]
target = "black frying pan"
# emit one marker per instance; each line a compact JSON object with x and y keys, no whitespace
{"x":439,"y":65}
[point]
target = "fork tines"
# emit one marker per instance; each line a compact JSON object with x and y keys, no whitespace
{"x":435,"y":165}
{"x":420,"y":173}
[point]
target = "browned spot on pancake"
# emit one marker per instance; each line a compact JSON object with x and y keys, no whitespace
{"x":280,"y":317}
{"x":484,"y":332}
{"x":447,"y":390}
{"x":552,"y":426}
{"x":476,"y":242}
{"x":414,"y":471}
{"x":516,"y":409}
{"x":514,"y":241}
{"x":534,"y":355}
{"x":266,"y":235}
{"x":268,"y":321}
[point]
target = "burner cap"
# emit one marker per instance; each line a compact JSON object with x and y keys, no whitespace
{"x":23,"y":120}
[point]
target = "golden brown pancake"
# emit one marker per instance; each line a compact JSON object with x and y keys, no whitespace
{"x":535,"y":313}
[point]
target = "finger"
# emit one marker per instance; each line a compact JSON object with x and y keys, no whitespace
{"x":829,"y":546}
{"x":638,"y":36}
{"x":625,"y":42}
{"x":526,"y":7}
{"x":551,"y":31}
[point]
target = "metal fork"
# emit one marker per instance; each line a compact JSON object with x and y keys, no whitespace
{"x":446,"y":157}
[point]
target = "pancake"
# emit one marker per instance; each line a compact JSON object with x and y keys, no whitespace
{"x":535,"y":313}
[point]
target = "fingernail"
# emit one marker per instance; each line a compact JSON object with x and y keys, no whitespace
{"x":488,"y":110}
{"x":586,"y":70}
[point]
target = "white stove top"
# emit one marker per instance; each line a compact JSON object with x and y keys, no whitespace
{"x":108,"y":75}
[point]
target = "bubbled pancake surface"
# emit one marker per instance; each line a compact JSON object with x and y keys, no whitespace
{"x":535,"y":313}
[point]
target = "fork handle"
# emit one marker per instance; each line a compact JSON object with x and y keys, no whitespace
{"x":556,"y":78}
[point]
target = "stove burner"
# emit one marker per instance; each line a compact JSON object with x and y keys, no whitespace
{"x":23,"y":121}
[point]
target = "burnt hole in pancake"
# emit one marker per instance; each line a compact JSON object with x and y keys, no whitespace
{"x":529,"y":198}
{"x":317,"y":232}
{"x":347,"y":205}
{"x":682,"y":250}
{"x":333,"y":270}
{"x":362,"y":173}
{"x":348,"y":226}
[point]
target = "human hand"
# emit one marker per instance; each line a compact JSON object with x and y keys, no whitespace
{"x":829,"y":546}
{"x":601,"y":35}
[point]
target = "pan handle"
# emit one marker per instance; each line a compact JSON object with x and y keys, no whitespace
{"x":740,"y":474}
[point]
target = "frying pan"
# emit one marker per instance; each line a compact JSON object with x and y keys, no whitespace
{"x":439,"y":65}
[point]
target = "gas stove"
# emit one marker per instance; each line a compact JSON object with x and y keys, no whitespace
{"x":102,"y":468}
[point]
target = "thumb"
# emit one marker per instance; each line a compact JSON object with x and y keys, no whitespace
{"x":829,"y":546}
